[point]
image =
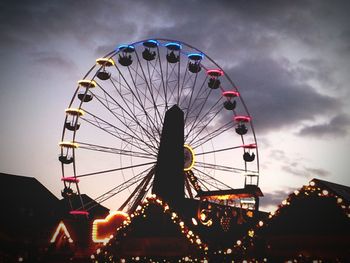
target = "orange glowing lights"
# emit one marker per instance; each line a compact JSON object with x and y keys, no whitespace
{"x":102,"y":229}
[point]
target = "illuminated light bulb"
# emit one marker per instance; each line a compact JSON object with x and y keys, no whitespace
{"x":137,"y":258}
{"x":284,"y":202}
{"x":98,"y":251}
{"x":312,"y":183}
{"x":229,"y":251}
{"x":339,"y":200}
{"x":92,"y":256}
{"x":20,"y":259}
{"x":198,"y":241}
{"x":325,"y":192}
{"x":296,"y":192}
{"x":194,"y":221}
{"x":239,"y":242}
{"x":261,"y":223}
{"x":203,"y":216}
{"x":187,"y":258}
{"x":251,"y":233}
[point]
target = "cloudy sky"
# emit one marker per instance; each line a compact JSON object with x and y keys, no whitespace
{"x":291,"y":60}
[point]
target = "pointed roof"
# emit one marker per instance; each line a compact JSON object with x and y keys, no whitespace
{"x":28,"y":207}
{"x":19,"y":188}
{"x":154,"y":230}
{"x":312,"y":222}
{"x":154,"y":222}
{"x":338,"y":189}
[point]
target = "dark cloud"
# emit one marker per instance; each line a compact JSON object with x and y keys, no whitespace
{"x":305,"y":172}
{"x":275,"y":198}
{"x":53,"y":61}
{"x":296,"y":167}
{"x":241,"y":36}
{"x":337,"y":126}
{"x":275,"y":95}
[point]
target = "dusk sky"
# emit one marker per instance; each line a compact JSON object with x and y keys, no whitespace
{"x":290,"y":60}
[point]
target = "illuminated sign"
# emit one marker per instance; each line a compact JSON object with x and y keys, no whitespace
{"x":61,"y":227}
{"x":103,"y":229}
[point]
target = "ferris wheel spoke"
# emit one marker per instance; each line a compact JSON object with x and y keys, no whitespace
{"x":189,"y":188}
{"x":162,"y":78}
{"x":222,"y":168}
{"x":115,"y":170}
{"x":100,"y":148}
{"x":205,"y":120}
{"x":124,"y":96}
{"x":122,"y":187}
{"x":127,"y":102}
{"x":116,"y":132}
{"x":138,"y":194}
{"x":111,"y":106}
{"x":117,"y":189}
{"x":219,"y":150}
{"x":139,"y":102}
{"x":137,"y":96}
{"x":157,"y":116}
{"x":178,"y":80}
{"x":199,"y":113}
{"x":155,"y":87}
{"x":136,"y":85}
{"x":182,"y":85}
{"x":171,"y":81}
{"x":201,"y":141}
{"x":202,"y":184}
{"x":192,"y":91}
{"x":218,"y":183}
{"x":131,"y":115}
{"x":197,"y":96}
{"x":187,"y":88}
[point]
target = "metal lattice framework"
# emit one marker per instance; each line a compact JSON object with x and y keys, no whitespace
{"x":113,"y":125}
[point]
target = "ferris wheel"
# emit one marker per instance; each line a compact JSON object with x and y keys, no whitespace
{"x":113,"y":125}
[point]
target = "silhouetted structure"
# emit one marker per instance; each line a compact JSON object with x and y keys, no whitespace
{"x":311,"y":223}
{"x":28,"y":211}
{"x":30,"y":215}
{"x":169,"y":176}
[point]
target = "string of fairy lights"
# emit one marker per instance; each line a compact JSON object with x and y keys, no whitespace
{"x":103,"y":255}
{"x":243,"y":249}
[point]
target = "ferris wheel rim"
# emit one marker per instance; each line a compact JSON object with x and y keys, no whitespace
{"x":114,"y":53}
